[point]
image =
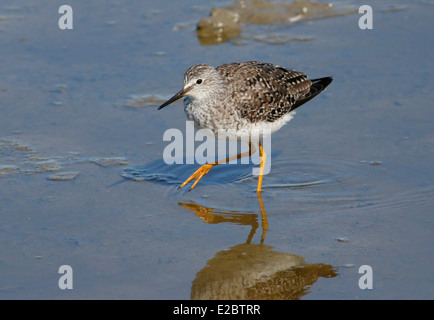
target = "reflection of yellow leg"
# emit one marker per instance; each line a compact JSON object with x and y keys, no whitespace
{"x":263,"y":217}
{"x":204,"y":169}
{"x":262,"y":158}
{"x":209,"y":215}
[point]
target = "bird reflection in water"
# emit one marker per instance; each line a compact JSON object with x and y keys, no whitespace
{"x":252,"y":271}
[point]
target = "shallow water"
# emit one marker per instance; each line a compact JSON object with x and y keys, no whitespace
{"x":83,"y":182}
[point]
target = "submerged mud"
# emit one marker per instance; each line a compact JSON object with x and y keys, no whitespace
{"x":18,"y":158}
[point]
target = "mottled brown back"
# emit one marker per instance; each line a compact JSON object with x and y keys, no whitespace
{"x":266,"y":92}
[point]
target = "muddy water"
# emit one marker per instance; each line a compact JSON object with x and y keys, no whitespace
{"x":83,"y":182}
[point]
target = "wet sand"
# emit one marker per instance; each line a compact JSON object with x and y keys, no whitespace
{"x":351,"y":179}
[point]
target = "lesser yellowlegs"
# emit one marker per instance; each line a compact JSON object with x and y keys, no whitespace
{"x":241,"y":98}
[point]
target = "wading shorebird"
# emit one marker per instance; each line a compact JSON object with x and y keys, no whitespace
{"x":238,"y":99}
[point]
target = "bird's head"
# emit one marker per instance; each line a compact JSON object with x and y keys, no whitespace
{"x":201,"y":81}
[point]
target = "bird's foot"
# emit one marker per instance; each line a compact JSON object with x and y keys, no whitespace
{"x":198,"y":174}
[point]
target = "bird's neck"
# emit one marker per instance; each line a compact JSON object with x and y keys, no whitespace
{"x":208,"y":98}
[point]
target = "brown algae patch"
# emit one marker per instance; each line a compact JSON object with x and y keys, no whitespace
{"x":227,"y":23}
{"x":220,"y":26}
{"x":262,"y":12}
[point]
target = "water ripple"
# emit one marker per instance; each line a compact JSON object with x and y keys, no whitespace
{"x":310,"y":184}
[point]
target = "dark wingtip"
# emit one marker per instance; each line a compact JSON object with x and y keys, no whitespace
{"x":318,"y":86}
{"x":322,"y":83}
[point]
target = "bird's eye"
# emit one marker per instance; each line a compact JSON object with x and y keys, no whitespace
{"x":199,"y":81}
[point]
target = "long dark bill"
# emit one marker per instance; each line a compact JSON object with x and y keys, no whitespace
{"x":177,"y":96}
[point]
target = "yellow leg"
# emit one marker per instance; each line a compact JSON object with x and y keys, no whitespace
{"x":205,"y":168}
{"x":262,"y":158}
